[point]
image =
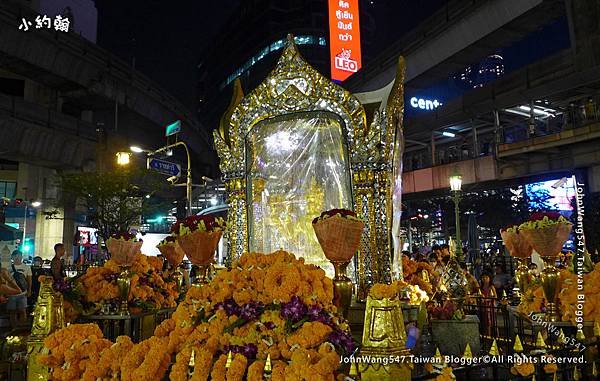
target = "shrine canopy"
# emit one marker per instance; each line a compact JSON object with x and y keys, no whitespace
{"x":300,"y":144}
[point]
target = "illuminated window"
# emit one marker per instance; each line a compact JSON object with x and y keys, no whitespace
{"x":302,"y":40}
{"x":279,"y":44}
{"x":8,"y":189}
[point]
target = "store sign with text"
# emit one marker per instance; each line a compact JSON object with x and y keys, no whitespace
{"x":424,"y":103}
{"x":344,"y":38}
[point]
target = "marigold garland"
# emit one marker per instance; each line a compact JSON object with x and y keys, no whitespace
{"x":534,"y":296}
{"x":150,"y":288}
{"x":242,"y":312}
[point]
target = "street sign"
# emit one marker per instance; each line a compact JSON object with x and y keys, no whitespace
{"x":173,"y":128}
{"x":164,"y":167}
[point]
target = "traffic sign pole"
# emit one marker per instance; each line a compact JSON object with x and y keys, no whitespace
{"x":188,"y":182}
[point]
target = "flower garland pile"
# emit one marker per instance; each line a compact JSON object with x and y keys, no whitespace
{"x":191,"y":224}
{"x":124,"y":236}
{"x":569,"y":293}
{"x":412,"y":272}
{"x":541,"y":220}
{"x":525,"y":368}
{"x":534,"y":296}
{"x":399,"y":288}
{"x":150,"y":289}
{"x":344,"y":213}
{"x":266,"y":305}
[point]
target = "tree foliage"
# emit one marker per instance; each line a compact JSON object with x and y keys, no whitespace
{"x":113,"y":199}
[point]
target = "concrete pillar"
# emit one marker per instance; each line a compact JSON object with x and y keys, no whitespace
{"x":47,"y":233}
{"x":37,"y":184}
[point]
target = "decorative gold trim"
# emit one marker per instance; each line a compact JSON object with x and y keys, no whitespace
{"x":375,"y":152}
{"x":236,"y":98}
{"x":293,"y":86}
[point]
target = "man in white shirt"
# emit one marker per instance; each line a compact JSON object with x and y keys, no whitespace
{"x":17,"y":304}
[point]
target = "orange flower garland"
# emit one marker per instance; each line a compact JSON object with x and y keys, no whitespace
{"x":534,"y":296}
{"x":525,"y":369}
{"x":149,"y":289}
{"x":393,"y":290}
{"x":71,"y":349}
{"x":242,"y":312}
{"x":411,"y":271}
{"x":310,"y":335}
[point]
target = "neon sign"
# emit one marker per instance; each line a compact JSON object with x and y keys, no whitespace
{"x":424,"y":104}
{"x":344,"y":36}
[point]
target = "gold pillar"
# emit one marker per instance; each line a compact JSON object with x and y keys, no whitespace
{"x":237,"y":220}
{"x":366,"y":268}
{"x":48,"y":316}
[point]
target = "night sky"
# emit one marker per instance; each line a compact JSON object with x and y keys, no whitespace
{"x":168,"y":39}
{"x":165,"y":37}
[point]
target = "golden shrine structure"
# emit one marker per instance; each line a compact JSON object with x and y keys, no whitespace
{"x":299,"y":144}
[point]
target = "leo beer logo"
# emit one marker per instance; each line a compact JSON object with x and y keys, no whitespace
{"x":343,"y":61}
{"x":344,"y":39}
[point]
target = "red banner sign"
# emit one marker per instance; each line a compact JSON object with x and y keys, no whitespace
{"x":344,"y":38}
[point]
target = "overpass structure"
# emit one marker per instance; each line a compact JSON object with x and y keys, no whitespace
{"x":540,"y":120}
{"x":72,"y":88}
{"x":67,"y":104}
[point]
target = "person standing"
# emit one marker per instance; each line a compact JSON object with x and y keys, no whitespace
{"x":37,"y":269}
{"x":56,"y":265}
{"x":488,"y":302}
{"x":502,"y":281}
{"x":473,"y":284}
{"x":17,"y":304}
{"x":8,"y":287}
{"x":18,"y":265}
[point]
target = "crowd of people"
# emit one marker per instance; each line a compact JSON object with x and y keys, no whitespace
{"x":484,"y":271}
{"x":19,"y":284}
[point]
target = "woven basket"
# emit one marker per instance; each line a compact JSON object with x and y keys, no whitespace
{"x":173,"y":253}
{"x":518,"y":246}
{"x":200,"y":246}
{"x":548,"y":242}
{"x":123,"y":252}
{"x":339,"y":237}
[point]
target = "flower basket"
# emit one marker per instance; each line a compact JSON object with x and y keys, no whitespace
{"x":172,"y":252}
{"x":518,"y":246}
{"x":548,"y":241}
{"x":339,"y":237}
{"x":123,"y":252}
{"x":200,"y":246}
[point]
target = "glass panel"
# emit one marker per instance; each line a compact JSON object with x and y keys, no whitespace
{"x":11,"y":189}
{"x":297,"y":167}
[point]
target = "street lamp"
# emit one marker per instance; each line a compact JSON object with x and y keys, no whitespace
{"x":123,"y":158}
{"x":136,"y":149}
{"x":34,"y":204}
{"x":455,"y":188}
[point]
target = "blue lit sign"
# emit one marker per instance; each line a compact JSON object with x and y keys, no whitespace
{"x":424,"y":104}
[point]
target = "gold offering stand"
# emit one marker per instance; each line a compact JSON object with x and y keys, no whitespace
{"x":384,"y":338}
{"x":520,"y":249}
{"x":299,"y":144}
{"x":548,"y":242}
{"x":48,"y":316}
